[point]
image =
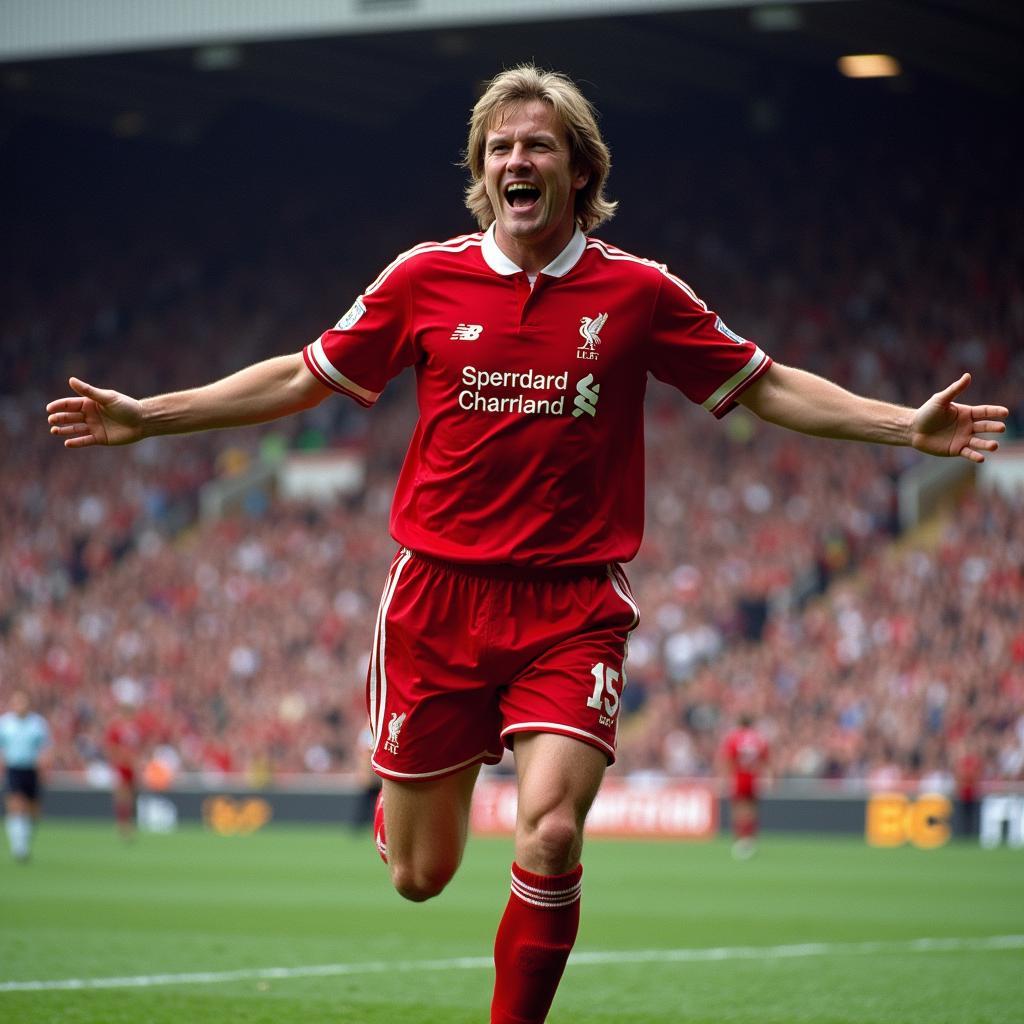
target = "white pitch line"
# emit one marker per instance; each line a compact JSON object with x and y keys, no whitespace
{"x":581,"y":959}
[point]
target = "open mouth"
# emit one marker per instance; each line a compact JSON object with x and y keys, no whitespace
{"x":521,"y":195}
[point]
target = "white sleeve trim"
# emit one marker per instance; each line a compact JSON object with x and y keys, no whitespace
{"x":753,"y":364}
{"x":316,"y":351}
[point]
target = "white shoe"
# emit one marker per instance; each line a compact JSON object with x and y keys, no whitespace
{"x":743,"y":849}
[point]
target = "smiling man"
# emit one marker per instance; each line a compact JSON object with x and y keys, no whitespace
{"x":506,"y":612}
{"x":531,"y":178}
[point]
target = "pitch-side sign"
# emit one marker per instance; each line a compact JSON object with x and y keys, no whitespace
{"x":894,"y":819}
{"x":669,"y":811}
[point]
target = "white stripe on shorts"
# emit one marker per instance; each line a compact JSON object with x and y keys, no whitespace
{"x":484,"y":757}
{"x":558,"y":728}
{"x":378,"y":672}
{"x":621,"y":585}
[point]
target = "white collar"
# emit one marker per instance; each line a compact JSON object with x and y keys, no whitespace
{"x":558,"y":267}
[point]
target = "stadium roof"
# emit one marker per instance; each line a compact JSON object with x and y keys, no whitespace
{"x":641,"y":62}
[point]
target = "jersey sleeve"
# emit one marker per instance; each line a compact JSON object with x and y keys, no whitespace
{"x":695,"y":352}
{"x":371,"y":343}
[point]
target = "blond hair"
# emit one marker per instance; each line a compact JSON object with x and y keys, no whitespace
{"x":587,"y":149}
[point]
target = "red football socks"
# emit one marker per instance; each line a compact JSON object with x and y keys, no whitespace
{"x":378,"y":828}
{"x":533,"y":943}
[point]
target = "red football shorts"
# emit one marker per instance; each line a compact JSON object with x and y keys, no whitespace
{"x":466,"y":657}
{"x":744,"y":786}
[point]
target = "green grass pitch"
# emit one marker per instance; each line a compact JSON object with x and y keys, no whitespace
{"x":823,"y":931}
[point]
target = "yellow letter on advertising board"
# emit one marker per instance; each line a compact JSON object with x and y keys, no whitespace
{"x":928,"y":821}
{"x":893,"y":820}
{"x":229,"y":818}
{"x":886,"y":820}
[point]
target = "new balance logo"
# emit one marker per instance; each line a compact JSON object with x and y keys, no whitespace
{"x":467,"y":332}
{"x":590,"y":330}
{"x":586,"y":397}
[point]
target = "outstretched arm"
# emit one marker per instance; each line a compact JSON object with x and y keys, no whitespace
{"x":812,"y":405}
{"x":259,"y":393}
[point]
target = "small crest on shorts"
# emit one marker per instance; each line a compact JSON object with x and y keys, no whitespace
{"x":351,"y":318}
{"x":394,"y":728}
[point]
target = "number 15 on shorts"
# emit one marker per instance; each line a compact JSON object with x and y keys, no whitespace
{"x":605,"y":698}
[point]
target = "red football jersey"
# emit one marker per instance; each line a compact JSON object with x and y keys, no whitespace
{"x":529,"y":448}
{"x":746,"y":751}
{"x":123,"y":739}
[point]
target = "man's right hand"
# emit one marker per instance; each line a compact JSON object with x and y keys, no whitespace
{"x":96,"y":416}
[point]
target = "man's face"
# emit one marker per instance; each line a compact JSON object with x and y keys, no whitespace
{"x":529,"y":177}
{"x":19,"y":703}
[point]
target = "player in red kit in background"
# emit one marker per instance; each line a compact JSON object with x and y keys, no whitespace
{"x":122,"y":742}
{"x":968,"y":769}
{"x":744,"y":757}
{"x":506,"y":613}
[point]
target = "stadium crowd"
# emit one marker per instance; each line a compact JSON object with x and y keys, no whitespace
{"x":772,"y":579}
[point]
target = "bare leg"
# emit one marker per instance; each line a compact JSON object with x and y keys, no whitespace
{"x":427,"y":824}
{"x":744,"y":825}
{"x":19,"y":825}
{"x":558,"y":780}
{"x":124,"y":809}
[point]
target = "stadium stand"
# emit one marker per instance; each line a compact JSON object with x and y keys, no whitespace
{"x":774,"y":575}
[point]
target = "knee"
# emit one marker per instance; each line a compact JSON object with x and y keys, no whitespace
{"x":420,"y":882}
{"x":554,"y":841}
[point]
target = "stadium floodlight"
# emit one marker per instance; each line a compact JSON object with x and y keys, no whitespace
{"x":869,"y":65}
